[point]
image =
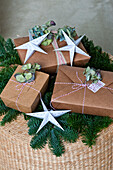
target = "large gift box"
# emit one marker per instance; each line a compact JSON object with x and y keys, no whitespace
{"x":49,"y":62}
{"x":71,"y":92}
{"x":24,"y":96}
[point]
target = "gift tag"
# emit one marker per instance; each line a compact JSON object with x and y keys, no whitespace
{"x":95,"y":87}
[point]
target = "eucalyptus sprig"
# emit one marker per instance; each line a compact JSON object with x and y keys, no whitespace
{"x":29,"y":73}
{"x":92,"y":74}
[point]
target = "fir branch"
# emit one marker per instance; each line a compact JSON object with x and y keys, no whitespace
{"x":89,"y":133}
{"x":33,"y":125}
{"x":3,"y":108}
{"x":99,"y":59}
{"x":2,"y":40}
{"x":40,"y":139}
{"x":9,"y":116}
{"x":56,"y":144}
{"x":68,"y":135}
{"x":5,"y":75}
{"x":8,"y":55}
{"x":77,"y":121}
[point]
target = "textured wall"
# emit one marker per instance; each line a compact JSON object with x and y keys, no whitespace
{"x":92,"y":17}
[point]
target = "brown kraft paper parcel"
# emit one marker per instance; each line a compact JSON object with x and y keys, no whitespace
{"x":48,"y":61}
{"x":66,"y":96}
{"x":25,"y":98}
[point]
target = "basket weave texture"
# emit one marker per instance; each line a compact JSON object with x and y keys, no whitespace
{"x":16,"y":153}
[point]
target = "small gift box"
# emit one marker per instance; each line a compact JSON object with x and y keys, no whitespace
{"x":50,"y":62}
{"x":24,"y":96}
{"x":71,"y":92}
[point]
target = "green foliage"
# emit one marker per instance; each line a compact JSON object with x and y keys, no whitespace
{"x":8,"y":55}
{"x":33,"y":125}
{"x":40,"y":139}
{"x":56,"y":144}
{"x":10,"y":114}
{"x":5,"y":75}
{"x":88,"y":126}
{"x":99,"y":59}
{"x":3,"y":108}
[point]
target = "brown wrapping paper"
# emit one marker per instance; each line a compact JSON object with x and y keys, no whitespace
{"x":26,"y":98}
{"x":48,"y":61}
{"x":65,"y":95}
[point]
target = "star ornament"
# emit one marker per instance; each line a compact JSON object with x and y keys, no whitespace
{"x":32,"y":46}
{"x":72,"y":47}
{"x":48,"y":116}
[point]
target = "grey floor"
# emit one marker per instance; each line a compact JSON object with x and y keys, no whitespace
{"x":92,"y":17}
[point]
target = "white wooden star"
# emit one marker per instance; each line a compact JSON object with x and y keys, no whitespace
{"x":72,"y":47}
{"x":48,"y":116}
{"x":32,"y":46}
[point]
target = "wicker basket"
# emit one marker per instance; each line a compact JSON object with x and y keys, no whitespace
{"x":16,"y":153}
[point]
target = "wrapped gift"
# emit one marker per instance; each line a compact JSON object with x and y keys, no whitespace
{"x":71,"y":92}
{"x":50,"y":62}
{"x":24,"y":96}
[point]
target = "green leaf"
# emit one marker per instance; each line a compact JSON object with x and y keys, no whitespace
{"x":20,"y":78}
{"x":47,"y":42}
{"x":26,"y":66}
{"x":36,"y":66}
{"x":28,"y":76}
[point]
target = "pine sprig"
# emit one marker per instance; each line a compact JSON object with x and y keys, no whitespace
{"x":5,"y":75}
{"x":55,"y":144}
{"x":10,"y":115}
{"x":8,"y":55}
{"x":88,"y":126}
{"x":33,"y":125}
{"x":40,"y":139}
{"x":3,"y":108}
{"x":99,"y":59}
{"x":68,"y":135}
